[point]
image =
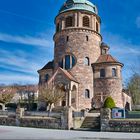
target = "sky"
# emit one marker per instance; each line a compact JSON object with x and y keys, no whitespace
{"x":27,"y":29}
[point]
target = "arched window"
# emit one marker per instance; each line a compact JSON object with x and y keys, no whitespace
{"x":69,"y":22}
{"x":86,"y":38}
{"x":102,"y":73}
{"x":97,"y":27}
{"x":57,"y":27}
{"x":86,"y":61}
{"x":68,"y":62}
{"x":114,"y":73}
{"x":85,"y":21}
{"x":87,"y":94}
{"x":46,"y":77}
{"x":67,"y":38}
{"x":103,"y":51}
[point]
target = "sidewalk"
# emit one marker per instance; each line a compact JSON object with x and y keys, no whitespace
{"x":7,"y":132}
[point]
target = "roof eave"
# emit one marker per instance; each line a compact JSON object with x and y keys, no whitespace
{"x":108,"y":63}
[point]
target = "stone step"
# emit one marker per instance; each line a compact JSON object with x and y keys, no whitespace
{"x":92,"y":123}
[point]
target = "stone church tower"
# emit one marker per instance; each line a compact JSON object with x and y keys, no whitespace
{"x":77,"y":53}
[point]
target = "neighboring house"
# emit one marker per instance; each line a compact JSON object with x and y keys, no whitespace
{"x":82,"y":64}
{"x":25,"y":92}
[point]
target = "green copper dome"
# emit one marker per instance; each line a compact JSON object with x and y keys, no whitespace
{"x":78,"y":5}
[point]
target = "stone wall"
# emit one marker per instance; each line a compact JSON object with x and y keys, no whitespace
{"x":50,"y":123}
{"x":109,"y":87}
{"x":61,"y":120}
{"x":80,"y":42}
{"x":78,"y":47}
{"x":118,"y":125}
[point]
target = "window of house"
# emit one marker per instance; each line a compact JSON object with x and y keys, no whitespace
{"x":103,"y":51}
{"x":69,"y":22}
{"x":86,"y":61}
{"x":102,"y":73}
{"x":46,"y":77}
{"x":68,"y":62}
{"x":86,"y":38}
{"x":67,"y":38}
{"x":87,"y":94}
{"x":85,"y":21}
{"x":73,"y":61}
{"x":97,"y":27}
{"x":57,"y":27}
{"x":114,"y":73}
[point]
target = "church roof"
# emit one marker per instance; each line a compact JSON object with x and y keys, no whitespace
{"x":49,"y":65}
{"x":68,"y":74}
{"x":78,"y":5}
{"x":106,"y":58}
{"x":65,"y":72}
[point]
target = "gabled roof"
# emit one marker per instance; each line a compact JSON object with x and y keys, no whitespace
{"x":66,"y":73}
{"x":107,"y":58}
{"x":49,"y":65}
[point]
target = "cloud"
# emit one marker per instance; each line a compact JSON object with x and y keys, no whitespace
{"x":17,"y":78}
{"x":121,"y":46}
{"x":20,"y":61}
{"x":124,"y":51}
{"x":28,"y":40}
{"x":138,"y":22}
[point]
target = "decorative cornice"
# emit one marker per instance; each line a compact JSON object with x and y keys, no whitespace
{"x":107,"y":63}
{"x":82,"y":11}
{"x":77,"y":29}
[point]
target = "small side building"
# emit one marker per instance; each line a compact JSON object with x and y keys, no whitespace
{"x":108,"y":80}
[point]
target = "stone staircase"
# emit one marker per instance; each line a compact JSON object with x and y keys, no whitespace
{"x":91,"y":123}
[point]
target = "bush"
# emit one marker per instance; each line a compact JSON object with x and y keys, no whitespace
{"x":109,"y":103}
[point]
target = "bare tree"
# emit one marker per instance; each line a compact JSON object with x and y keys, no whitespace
{"x":27,"y":95}
{"x":50,"y":96}
{"x":133,"y":87}
{"x":7,"y":93}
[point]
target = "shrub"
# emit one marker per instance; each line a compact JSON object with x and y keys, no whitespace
{"x":109,"y":103}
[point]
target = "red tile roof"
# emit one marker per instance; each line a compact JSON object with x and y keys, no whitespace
{"x":106,"y":58}
{"x":65,"y":72}
{"x":68,"y":74}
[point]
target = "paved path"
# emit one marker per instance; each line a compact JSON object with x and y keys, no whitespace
{"x":7,"y":132}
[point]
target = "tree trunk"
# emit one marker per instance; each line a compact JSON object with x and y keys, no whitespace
{"x":49,"y":111}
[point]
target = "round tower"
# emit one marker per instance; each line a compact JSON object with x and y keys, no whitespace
{"x":107,"y":79}
{"x":77,"y":44}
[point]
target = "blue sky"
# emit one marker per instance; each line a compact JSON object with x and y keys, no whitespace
{"x":27,"y":28}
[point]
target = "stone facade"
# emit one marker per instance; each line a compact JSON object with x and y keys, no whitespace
{"x":78,"y":45}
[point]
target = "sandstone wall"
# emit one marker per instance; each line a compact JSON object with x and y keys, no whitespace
{"x":80,"y":42}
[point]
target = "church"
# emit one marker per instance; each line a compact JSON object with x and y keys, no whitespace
{"x":82,"y":64}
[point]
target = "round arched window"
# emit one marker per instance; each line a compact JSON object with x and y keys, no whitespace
{"x":68,"y":62}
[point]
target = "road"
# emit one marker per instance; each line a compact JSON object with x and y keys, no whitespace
{"x":9,"y":132}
